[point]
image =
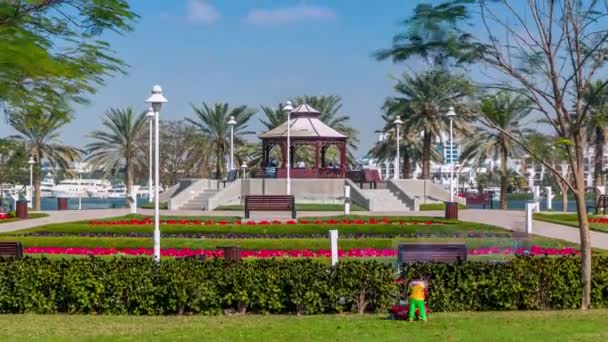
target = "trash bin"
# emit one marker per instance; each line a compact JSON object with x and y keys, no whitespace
{"x":62,"y":204}
{"x":21,"y":209}
{"x":451,"y":210}
{"x":231,"y":253}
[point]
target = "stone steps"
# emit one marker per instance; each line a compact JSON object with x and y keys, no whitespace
{"x":199,"y":202}
{"x":384,"y":200}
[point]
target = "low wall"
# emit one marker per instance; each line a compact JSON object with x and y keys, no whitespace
{"x":186,"y":189}
{"x":305,"y":190}
{"x":425,"y":191}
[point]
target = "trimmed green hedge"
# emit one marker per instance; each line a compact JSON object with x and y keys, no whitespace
{"x":438,"y":206}
{"x":532,"y":283}
{"x":138,"y":286}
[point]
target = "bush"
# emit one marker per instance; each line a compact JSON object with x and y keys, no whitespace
{"x":138,"y":286}
{"x":525,"y":283}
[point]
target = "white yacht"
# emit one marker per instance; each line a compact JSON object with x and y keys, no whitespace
{"x":47,"y":186}
{"x":71,"y":188}
{"x":118,"y":191}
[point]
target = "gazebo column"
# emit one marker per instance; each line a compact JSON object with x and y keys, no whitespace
{"x":264,"y":154}
{"x":316,"y":156}
{"x":323,"y":149}
{"x":343,"y":156}
{"x":284,"y":154}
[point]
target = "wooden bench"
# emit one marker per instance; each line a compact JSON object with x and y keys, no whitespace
{"x":11,"y":250}
{"x":372,"y":177}
{"x":483,"y":198}
{"x":270,"y":203}
{"x":435,"y":252}
{"x":602,"y":203}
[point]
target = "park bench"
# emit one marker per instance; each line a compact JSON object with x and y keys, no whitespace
{"x":11,"y":250}
{"x":435,"y":252}
{"x":371,"y":177}
{"x":483,"y":198}
{"x":270,"y":203}
{"x":602,"y":202}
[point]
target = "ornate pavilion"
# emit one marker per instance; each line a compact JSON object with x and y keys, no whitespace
{"x":306,"y":130}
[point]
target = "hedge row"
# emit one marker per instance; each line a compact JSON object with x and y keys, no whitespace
{"x":536,"y":283}
{"x":138,"y":286}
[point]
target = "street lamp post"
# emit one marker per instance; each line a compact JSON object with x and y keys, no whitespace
{"x":156,"y":100}
{"x":31,"y":162}
{"x":288,"y":108}
{"x":79,"y":188}
{"x":150,"y":115}
{"x":397,"y":124}
{"x":243,"y":170}
{"x":451,"y":114}
{"x":231,"y":123}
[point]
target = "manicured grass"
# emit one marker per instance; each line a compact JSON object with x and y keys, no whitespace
{"x":164,"y":218}
{"x":31,"y":216}
{"x":391,"y":218}
{"x":465,"y":326}
{"x":163,"y":205}
{"x":570,"y":220}
{"x":78,"y":228}
{"x":438,"y":206}
{"x":256,"y":244}
{"x":302,"y":207}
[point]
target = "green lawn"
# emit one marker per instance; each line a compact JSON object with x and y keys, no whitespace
{"x":465,"y":326}
{"x":302,"y":207}
{"x":438,"y":206}
{"x":30,"y":215}
{"x":569,"y":220}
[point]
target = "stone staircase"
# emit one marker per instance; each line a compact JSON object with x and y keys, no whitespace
{"x":384,"y":200}
{"x":200,"y":201}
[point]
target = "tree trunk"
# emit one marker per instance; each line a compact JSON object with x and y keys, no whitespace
{"x":426,"y":155}
{"x":407,"y":170}
{"x":37,"y":182}
{"x":128,"y":181}
{"x":583,"y":222}
{"x":598,"y":161}
{"x":564,"y":197}
{"x":218,"y":162}
{"x":503,"y":176}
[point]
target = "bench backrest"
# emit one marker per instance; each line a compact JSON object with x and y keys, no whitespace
{"x":269,"y":202}
{"x":478,"y":198}
{"x":414,"y":252}
{"x":11,"y":249}
{"x":372,"y":175}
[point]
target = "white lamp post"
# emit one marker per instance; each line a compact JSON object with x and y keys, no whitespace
{"x":451,"y":114}
{"x":243,"y":169}
{"x":231,"y":123}
{"x":288,"y":108}
{"x":156,"y":100}
{"x":79,"y":187}
{"x":31,"y":162}
{"x":150,"y":115}
{"x":397,"y":124}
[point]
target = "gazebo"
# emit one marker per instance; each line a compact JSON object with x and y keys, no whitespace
{"x":306,"y":129}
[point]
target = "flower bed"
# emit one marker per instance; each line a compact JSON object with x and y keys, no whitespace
{"x":602,"y":220}
{"x":149,"y":221}
{"x":302,"y":253}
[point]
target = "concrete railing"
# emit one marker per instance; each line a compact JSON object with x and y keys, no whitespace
{"x":357,"y":196}
{"x":409,"y":199}
{"x":187,"y":189}
{"x":230,"y":194}
{"x":425,"y":190}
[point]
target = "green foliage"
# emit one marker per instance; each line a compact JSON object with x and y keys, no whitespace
{"x":13,"y":160}
{"x":163,"y":205}
{"x":438,"y":206}
{"x":524,"y":283}
{"x":138,"y":286}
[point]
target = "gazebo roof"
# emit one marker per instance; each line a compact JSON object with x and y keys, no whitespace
{"x":304,"y":123}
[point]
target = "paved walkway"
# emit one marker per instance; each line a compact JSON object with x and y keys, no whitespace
{"x":508,"y":219}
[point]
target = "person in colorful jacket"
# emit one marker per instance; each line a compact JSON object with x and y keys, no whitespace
{"x":416,"y":300}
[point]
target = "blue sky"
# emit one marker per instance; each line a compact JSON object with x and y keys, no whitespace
{"x":252,"y":52}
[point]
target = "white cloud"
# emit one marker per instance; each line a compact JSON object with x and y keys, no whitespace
{"x":202,"y":12}
{"x":287,"y":15}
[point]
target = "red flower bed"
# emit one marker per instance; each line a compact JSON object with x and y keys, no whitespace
{"x":148,"y":221}
{"x":603,"y":220}
{"x":271,"y":253}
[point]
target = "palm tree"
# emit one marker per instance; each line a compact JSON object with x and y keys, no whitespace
{"x":597,"y":128}
{"x":39,"y":130}
{"x":119,"y":144}
{"x":422,"y":101}
{"x":213,"y":123}
{"x":410,"y":148}
{"x":501,"y":116}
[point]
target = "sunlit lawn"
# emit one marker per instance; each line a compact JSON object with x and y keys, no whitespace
{"x":478,"y":326}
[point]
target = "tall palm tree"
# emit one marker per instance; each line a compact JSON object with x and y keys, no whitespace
{"x":597,"y":128}
{"x":505,"y":111}
{"x":410,"y":148}
{"x":39,"y":130}
{"x":422,"y":101}
{"x":213,"y":123}
{"x":118,"y":144}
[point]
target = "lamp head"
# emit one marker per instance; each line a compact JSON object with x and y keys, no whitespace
{"x":156,"y":99}
{"x":288,"y":107}
{"x":398,"y":121}
{"x":244,"y":166}
{"x":232,"y":121}
{"x":31,"y":161}
{"x":451,"y":113}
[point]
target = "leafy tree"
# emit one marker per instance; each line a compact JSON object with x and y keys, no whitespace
{"x":39,"y":131}
{"x":13,"y":163}
{"x":597,"y":129}
{"x":423,"y":99}
{"x":52,"y":54}
{"x":506,"y":111}
{"x":118,"y":144}
{"x":212,"y":121}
